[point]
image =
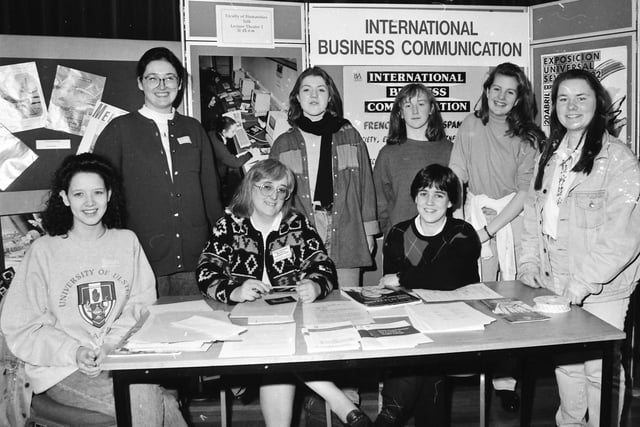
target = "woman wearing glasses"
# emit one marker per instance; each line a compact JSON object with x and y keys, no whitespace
{"x":261,"y":243}
{"x":168,"y":169}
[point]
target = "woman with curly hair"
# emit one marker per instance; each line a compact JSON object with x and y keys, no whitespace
{"x":78,"y":291}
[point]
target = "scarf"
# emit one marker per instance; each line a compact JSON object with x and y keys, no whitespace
{"x":325,"y":128}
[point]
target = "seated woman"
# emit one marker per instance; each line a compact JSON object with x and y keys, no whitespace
{"x":77,"y":292}
{"x":262,"y":242}
{"x":431,"y":251}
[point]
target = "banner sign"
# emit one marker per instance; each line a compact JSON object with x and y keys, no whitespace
{"x":346,"y":35}
{"x":370,"y":91}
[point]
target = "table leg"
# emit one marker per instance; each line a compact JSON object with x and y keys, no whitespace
{"x":608,"y":350}
{"x":122,"y":399}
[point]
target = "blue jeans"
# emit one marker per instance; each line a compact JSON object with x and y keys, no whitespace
{"x":150,"y":404}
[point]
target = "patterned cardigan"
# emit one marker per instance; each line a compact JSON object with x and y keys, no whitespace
{"x":236,"y":253}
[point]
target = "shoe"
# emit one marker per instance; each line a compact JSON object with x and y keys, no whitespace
{"x":509,"y":400}
{"x":388,"y":417}
{"x":357,"y":418}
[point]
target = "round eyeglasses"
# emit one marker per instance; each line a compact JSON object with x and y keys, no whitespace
{"x":267,"y":189}
{"x":171,"y":81}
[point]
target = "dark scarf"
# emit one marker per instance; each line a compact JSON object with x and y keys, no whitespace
{"x":325,"y":128}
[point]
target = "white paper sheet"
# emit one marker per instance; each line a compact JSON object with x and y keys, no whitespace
{"x":447,"y":317}
{"x":331,"y":312}
{"x":263,"y":340}
{"x":475,"y":291}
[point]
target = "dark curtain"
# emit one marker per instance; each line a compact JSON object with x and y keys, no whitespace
{"x":121,"y":19}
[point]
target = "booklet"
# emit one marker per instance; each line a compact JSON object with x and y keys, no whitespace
{"x":375,"y":297}
{"x":399,"y":334}
{"x":513,"y":310}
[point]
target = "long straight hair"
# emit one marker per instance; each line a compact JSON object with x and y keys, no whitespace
{"x":334,"y":107}
{"x":397,"y":125}
{"x":592,"y":136}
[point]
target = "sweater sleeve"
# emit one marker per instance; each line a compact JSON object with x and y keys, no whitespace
{"x":465,"y":250}
{"x":109,"y":144}
{"x":214,"y":266}
{"x":209,"y":179}
{"x":393,"y":251}
{"x":458,"y":160}
{"x":383,"y":189}
{"x":142,"y":295}
{"x":27,"y":322}
{"x":368,"y":203}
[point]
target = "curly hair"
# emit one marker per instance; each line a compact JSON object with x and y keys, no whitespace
{"x":242,"y":203}
{"x":334,"y":107}
{"x":57,"y":218}
{"x":520,"y":119}
{"x":397,"y":126}
{"x":592,"y":135}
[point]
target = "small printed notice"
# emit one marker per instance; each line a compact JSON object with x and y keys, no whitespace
{"x":245,"y":26}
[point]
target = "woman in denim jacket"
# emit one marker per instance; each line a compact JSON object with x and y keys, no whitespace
{"x":581,"y":220}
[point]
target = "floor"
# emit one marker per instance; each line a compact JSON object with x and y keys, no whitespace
{"x":464,"y":403}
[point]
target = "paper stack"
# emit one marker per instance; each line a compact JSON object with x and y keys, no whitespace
{"x":337,"y":337}
{"x":262,"y":341}
{"x":259,"y":312}
{"x":187,"y":326}
{"x":447,"y":317}
{"x":391,"y":335}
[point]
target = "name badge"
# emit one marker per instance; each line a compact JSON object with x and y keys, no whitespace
{"x":281,"y":254}
{"x":184,"y":140}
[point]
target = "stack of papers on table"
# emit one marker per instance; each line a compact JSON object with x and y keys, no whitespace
{"x":263,"y":340}
{"x":332,"y":312}
{"x":186,"y":326}
{"x":336,"y":337}
{"x":475,"y":291}
{"x":391,"y":335}
{"x":447,"y":317}
{"x":260,"y":312}
{"x":376,"y":297}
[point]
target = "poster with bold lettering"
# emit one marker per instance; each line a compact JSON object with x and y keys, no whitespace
{"x":348,"y":34}
{"x":609,"y":64}
{"x":369,"y":92}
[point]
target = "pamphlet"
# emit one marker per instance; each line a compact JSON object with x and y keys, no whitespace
{"x":399,"y":334}
{"x":375,"y":297}
{"x":514,"y":311}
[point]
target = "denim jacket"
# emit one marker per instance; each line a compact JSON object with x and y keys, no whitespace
{"x":354,"y":208}
{"x":599,"y":221}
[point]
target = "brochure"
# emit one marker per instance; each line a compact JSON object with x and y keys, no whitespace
{"x":375,"y":297}
{"x":513,"y":310}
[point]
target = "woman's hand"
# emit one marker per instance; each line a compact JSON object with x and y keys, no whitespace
{"x":87,"y":361}
{"x":250,"y":290}
{"x":576,"y":292}
{"x":307,"y":290}
{"x":390,"y":281}
{"x":483,"y":235}
{"x":531,"y":279}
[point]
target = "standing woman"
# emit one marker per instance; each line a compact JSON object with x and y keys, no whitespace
{"x":78,"y":291}
{"x":170,"y":179}
{"x":494,"y":154}
{"x":416,"y":140}
{"x":333,"y":173}
{"x":581,"y":225}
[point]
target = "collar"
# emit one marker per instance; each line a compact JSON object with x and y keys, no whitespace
{"x":155,"y":116}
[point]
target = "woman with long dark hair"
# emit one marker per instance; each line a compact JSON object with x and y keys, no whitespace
{"x":78,"y":291}
{"x":333,"y":173}
{"x":581,"y":222}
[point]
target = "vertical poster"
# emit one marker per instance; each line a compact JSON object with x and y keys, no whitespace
{"x":609,"y":64}
{"x":370,"y":92}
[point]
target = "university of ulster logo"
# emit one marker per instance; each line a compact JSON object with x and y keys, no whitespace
{"x":95,"y":302}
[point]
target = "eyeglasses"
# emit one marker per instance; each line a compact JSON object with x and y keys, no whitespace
{"x":171,"y":81}
{"x":267,"y":189}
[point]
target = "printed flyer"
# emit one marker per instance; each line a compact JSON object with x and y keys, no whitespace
{"x":22,"y":104}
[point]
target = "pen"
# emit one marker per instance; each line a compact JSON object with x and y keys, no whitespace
{"x":284,"y":287}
